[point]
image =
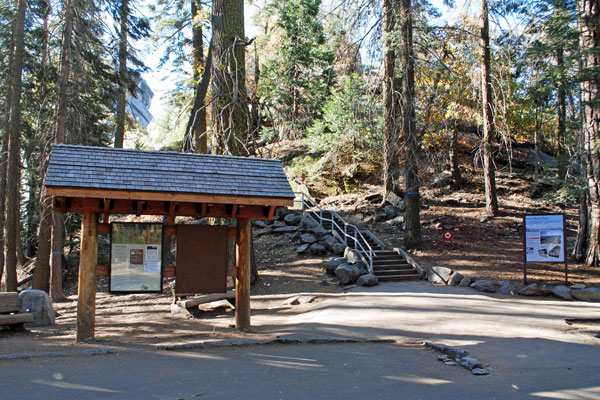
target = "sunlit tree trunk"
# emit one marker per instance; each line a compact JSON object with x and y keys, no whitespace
{"x":13,"y":174}
{"x":198,"y":111}
{"x":230,"y":102}
{"x":412,"y":234}
{"x":123,"y":78}
{"x":491,"y":199}
{"x":590,"y":89}
{"x":390,"y":92}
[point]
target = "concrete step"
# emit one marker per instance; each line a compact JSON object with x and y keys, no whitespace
{"x":397,"y":278}
{"x":393,"y":272}
{"x":392,"y":266}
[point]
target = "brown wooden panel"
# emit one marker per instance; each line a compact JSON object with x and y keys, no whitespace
{"x":201,"y":259}
{"x":9,"y":302}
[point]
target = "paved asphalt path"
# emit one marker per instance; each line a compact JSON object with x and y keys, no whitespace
{"x":530,"y":351}
{"x":324,"y":371}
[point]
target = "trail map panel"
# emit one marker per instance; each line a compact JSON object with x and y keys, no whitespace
{"x":545,"y":238}
{"x":135,"y":257}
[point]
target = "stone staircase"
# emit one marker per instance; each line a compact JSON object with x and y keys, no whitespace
{"x":387,"y":265}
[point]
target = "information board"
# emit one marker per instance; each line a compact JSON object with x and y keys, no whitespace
{"x":135,"y":257}
{"x":545,"y":238}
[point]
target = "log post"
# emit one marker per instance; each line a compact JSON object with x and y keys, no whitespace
{"x":242,"y":282}
{"x":86,"y":291}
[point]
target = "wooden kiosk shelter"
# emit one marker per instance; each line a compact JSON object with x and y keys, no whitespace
{"x":99,"y":180}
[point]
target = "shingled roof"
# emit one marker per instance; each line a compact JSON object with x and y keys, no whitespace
{"x":102,"y":168}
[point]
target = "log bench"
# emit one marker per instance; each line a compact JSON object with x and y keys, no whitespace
{"x":10,"y":305}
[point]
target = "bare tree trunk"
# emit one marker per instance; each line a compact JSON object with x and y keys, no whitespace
{"x":122,"y":94}
{"x":13,"y":174}
{"x":412,"y":234}
{"x":198,"y":111}
{"x":561,"y":101}
{"x":580,"y":242}
{"x":199,"y":105}
{"x":454,"y":161}
{"x":590,"y":89}
{"x":390,"y":123}
{"x":230,"y":101}
{"x":491,"y":199}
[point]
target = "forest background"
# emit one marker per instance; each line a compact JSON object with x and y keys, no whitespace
{"x":378,"y":91}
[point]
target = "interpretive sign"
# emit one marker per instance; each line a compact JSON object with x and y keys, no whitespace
{"x":135,"y":257}
{"x":544,"y":240}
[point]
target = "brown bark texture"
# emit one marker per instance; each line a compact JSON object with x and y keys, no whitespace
{"x":489,"y":176}
{"x":230,"y":101}
{"x":122,"y":94}
{"x":198,"y":111}
{"x":86,"y":290}
{"x":590,"y":89}
{"x":412,"y":234}
{"x":390,"y":92}
{"x":13,"y":171}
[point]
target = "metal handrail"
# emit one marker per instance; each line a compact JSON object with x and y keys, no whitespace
{"x":343,"y":229}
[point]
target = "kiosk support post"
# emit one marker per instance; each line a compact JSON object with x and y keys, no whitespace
{"x":242,"y":283}
{"x":86,"y":290}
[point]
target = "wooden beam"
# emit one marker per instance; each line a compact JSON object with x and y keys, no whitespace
{"x":171,"y":216}
{"x":103,"y":229}
{"x":234,"y":210}
{"x":167,"y":196}
{"x":271,"y":212}
{"x":203,"y":211}
{"x":242,"y":282}
{"x":86,"y":291}
{"x":105,"y":211}
{"x":207,"y":298}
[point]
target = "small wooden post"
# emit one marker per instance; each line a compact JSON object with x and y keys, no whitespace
{"x":242,"y":282}
{"x":86,"y":291}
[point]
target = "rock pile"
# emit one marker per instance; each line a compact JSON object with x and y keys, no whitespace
{"x":446,"y":276}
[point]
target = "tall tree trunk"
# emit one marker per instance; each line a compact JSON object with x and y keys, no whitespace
{"x":454,"y":161}
{"x":582,"y":231}
{"x":230,"y":102}
{"x":590,"y":89}
{"x":122,"y":94}
{"x":199,"y":105}
{"x":199,"y":113}
{"x":412,"y":234}
{"x":48,"y":273}
{"x":390,"y":123}
{"x":4,"y":151}
{"x":491,"y":199}
{"x":13,"y":174}
{"x":561,"y":101}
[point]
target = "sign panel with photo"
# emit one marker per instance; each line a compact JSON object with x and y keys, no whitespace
{"x":545,"y":238}
{"x":135,"y":257}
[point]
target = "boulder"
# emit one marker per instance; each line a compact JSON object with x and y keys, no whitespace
{"x":507,"y":288}
{"x":391,"y":211}
{"x":278,"y":224}
{"x":485,"y":285}
{"x":562,"y":292}
{"x":338,"y":249}
{"x":303,"y":248}
{"x":319,"y":232}
{"x":292,"y":219}
{"x":399,"y":220}
{"x":308,"y":238}
{"x":259,"y":224}
{"x":455,"y":279}
{"x":367,"y":280}
{"x":307,"y":223}
{"x":317,"y":249}
{"x":444,"y":178}
{"x":534,"y":290}
{"x":285,"y":229}
{"x":470,"y":363}
{"x":362,"y":266}
{"x":587,"y":294}
{"x":439,"y":275}
{"x":465,"y":282}
{"x":351,"y":255}
{"x":347,"y":273}
{"x":396,"y":201}
{"x":329,"y":241}
{"x":39,"y":304}
{"x":332,"y":264}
